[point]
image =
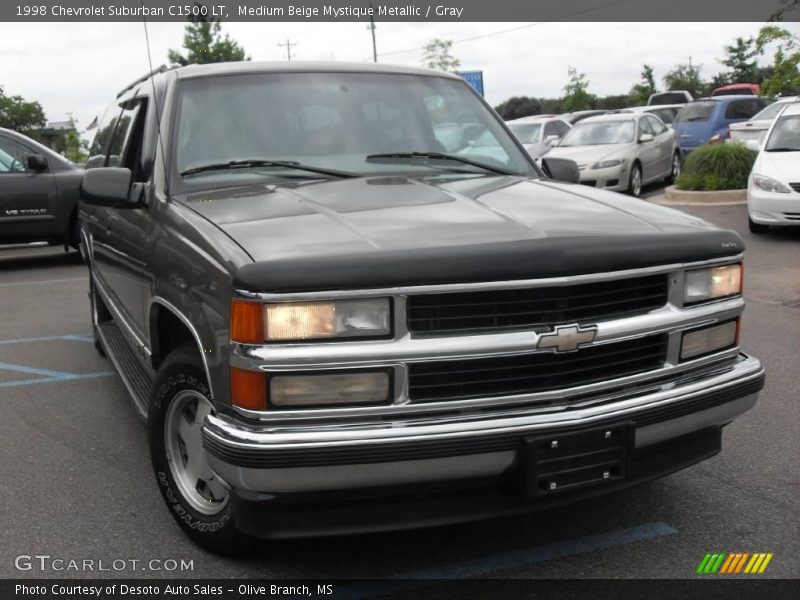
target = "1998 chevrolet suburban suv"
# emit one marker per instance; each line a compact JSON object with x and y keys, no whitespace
{"x":331,"y":323}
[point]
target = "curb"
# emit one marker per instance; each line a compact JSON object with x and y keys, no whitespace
{"x":672,"y":195}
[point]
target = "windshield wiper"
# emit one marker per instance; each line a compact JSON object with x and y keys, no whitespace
{"x":256,"y":162}
{"x":390,"y":156}
{"x":782,"y":149}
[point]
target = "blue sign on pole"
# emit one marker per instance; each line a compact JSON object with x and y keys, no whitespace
{"x":474,"y":78}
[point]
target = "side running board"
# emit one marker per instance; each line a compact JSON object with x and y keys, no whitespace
{"x":137,"y":378}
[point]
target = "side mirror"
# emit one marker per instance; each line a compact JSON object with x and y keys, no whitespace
{"x":108,"y":186}
{"x":646,"y":137}
{"x":561,"y":169}
{"x":37,"y":162}
{"x":753,"y":145}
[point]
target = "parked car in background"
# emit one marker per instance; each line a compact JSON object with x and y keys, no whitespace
{"x":579,"y":115}
{"x":670,"y":97}
{"x":539,"y":133}
{"x":737,"y":89}
{"x":773,"y":189}
{"x":707,"y":120}
{"x":38,"y":193}
{"x":621,"y":151}
{"x":665,"y":112}
{"x":759,"y":123}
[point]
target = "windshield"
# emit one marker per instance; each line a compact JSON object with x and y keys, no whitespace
{"x":527,"y":133}
{"x":600,"y":132}
{"x":333,"y":121}
{"x":695,"y":111}
{"x":785,"y":136}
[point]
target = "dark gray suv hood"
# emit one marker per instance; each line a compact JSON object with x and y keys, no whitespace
{"x":388,"y":231}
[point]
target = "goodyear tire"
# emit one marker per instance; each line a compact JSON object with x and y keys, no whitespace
{"x":195,"y":498}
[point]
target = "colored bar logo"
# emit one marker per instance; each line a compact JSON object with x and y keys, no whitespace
{"x":734,"y":563}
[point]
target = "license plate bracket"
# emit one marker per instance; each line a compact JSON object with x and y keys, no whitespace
{"x":557,"y":463}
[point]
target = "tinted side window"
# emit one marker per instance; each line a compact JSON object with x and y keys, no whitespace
{"x":561,"y":128}
{"x":130,"y":156}
{"x":121,"y":133}
{"x":99,"y":148}
{"x":743,"y":109}
{"x":13,"y":156}
{"x":658,"y":126}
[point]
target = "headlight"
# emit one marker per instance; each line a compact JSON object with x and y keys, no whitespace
{"x":254,"y":322}
{"x":768,"y":184}
{"x":329,"y":389}
{"x":709,"y":339}
{"x":605,"y":164}
{"x":718,"y":282}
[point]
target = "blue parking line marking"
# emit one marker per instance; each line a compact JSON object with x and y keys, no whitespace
{"x":35,"y":371}
{"x":509,"y":560}
{"x":69,"y":377}
{"x":78,"y":337}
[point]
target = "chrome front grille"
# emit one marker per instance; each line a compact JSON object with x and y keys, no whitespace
{"x":535,"y":308}
{"x":531,"y":373}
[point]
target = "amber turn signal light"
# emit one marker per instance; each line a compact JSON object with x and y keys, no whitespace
{"x":247,"y":322}
{"x":248,"y":389}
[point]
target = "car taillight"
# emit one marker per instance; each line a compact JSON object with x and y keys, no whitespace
{"x":720,"y":137}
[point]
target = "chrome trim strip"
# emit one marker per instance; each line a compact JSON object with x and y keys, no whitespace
{"x":174,"y":310}
{"x":482,"y":285}
{"x":239,"y":435}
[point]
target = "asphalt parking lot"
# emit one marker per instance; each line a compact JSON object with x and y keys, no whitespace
{"x":76,"y":480}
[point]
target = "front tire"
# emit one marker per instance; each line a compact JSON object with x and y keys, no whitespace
{"x":196,"y":499}
{"x":675,"y":171}
{"x":635,"y":182}
{"x":756,"y":228}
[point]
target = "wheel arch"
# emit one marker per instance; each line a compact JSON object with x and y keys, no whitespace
{"x":170,"y":329}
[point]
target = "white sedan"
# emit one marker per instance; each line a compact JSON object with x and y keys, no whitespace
{"x":773,"y":189}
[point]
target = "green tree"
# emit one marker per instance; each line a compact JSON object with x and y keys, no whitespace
{"x":741,"y":61}
{"x":785,"y":76}
{"x":204,"y":43}
{"x":576,"y":92}
{"x":76,"y":148}
{"x":685,"y":77}
{"x":641,"y":92}
{"x":518,"y":106}
{"x":18,"y":114}
{"x":436,"y":54}
{"x":789,"y":6}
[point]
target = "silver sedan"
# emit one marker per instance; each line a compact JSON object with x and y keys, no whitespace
{"x":622,"y":151}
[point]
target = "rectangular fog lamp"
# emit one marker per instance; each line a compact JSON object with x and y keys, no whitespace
{"x":364,"y":387}
{"x":709,"y":339}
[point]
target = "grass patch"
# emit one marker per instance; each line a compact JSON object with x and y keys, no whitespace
{"x":716,"y":167}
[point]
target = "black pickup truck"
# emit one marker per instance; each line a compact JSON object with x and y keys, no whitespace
{"x":338,"y":313}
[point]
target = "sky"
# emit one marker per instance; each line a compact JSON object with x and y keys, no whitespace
{"x":78,"y":68}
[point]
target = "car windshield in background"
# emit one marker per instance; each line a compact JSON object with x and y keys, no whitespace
{"x":334,"y":121}
{"x":695,"y":111}
{"x":600,"y":132}
{"x":770,"y":112}
{"x":785,"y":136}
{"x":527,"y":133}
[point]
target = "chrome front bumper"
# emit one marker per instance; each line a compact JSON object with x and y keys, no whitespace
{"x":257,"y":459}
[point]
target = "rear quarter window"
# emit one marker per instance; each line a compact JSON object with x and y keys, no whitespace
{"x":744,"y":109}
{"x":696,"y":111}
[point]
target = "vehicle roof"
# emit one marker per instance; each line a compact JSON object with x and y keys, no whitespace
{"x":535,"y":119}
{"x":297,"y":66}
{"x":727,"y":98}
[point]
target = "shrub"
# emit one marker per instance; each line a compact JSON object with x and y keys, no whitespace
{"x":717,"y":167}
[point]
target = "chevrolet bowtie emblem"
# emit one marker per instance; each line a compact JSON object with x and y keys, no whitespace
{"x":567,"y":338}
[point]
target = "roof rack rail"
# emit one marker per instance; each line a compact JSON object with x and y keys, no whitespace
{"x":160,"y":69}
